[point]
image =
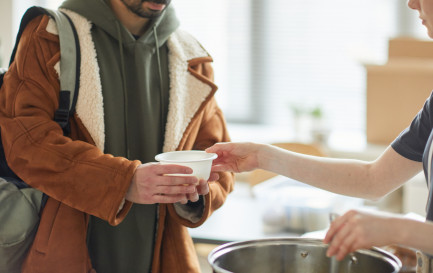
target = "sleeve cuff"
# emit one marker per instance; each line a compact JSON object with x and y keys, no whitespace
{"x":191,"y":211}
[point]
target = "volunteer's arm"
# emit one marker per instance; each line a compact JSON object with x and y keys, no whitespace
{"x":370,"y":180}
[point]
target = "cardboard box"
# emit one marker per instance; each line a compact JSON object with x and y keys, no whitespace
{"x":397,"y":90}
{"x":405,"y":47}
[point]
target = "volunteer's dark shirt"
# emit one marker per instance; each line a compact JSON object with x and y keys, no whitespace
{"x":415,"y":142}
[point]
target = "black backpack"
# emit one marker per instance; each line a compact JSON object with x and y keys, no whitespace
{"x":69,"y":76}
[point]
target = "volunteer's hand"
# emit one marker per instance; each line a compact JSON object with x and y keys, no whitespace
{"x":358,"y":230}
{"x":150,"y":185}
{"x":234,"y":157}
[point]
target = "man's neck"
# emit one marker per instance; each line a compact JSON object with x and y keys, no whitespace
{"x":135,"y":24}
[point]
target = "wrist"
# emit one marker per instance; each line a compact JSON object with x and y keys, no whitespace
{"x":263,"y":156}
{"x":399,"y":235}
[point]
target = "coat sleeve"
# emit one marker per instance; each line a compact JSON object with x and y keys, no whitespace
{"x":210,"y":128}
{"x":74,"y":172}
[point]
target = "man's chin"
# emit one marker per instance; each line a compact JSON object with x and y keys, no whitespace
{"x":151,"y":14}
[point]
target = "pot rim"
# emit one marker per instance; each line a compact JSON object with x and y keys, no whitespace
{"x":228,"y":247}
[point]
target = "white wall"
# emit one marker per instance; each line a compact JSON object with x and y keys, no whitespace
{"x":5,"y":31}
{"x":11,"y":12}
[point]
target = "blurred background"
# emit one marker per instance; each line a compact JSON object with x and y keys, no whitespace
{"x":279,"y":61}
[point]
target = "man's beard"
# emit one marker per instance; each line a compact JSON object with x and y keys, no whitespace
{"x":136,"y":8}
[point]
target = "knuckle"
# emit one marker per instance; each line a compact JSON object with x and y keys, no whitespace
{"x":344,"y":246}
{"x":164,"y":189}
{"x":361,"y":236}
{"x":356,"y":245}
{"x":188,"y":189}
{"x":333,"y":225}
{"x":174,"y":189}
{"x":352,"y":213}
{"x":335,"y":242}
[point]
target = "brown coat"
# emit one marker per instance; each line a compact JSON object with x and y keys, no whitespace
{"x":79,"y":178}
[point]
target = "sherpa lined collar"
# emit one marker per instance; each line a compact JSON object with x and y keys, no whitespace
{"x":187,"y":93}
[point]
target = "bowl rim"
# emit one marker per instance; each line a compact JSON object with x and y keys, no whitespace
{"x":212,"y":156}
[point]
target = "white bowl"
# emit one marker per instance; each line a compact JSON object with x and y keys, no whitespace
{"x":199,"y":161}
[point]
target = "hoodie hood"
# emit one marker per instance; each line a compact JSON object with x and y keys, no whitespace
{"x":134,"y":77}
{"x":100,"y":14}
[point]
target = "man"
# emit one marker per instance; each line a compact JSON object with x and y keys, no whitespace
{"x":146,"y":87}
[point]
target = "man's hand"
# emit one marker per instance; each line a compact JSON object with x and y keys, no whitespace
{"x":202,"y":188}
{"x":156,"y":183}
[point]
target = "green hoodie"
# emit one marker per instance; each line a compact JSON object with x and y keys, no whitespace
{"x":135,"y":86}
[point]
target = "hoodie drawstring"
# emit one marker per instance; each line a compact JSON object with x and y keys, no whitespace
{"x":155,"y":34}
{"x":123,"y":74}
{"x":125,"y":96}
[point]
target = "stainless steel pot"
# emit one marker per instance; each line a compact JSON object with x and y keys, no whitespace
{"x":295,"y":255}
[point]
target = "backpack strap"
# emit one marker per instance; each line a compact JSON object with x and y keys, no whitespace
{"x":70,"y":61}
